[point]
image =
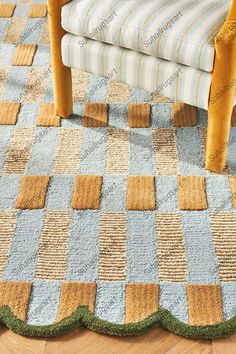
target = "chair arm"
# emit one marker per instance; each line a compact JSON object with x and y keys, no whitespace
{"x":55,"y":5}
{"x":232,"y":11}
{"x":227,"y":34}
{"x":222,"y":94}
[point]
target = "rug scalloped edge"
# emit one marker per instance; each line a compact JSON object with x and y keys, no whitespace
{"x":82,"y":317}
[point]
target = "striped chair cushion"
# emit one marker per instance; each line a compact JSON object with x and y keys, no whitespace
{"x":138,"y":70}
{"x":181,"y":31}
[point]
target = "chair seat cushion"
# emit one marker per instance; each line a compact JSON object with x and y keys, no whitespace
{"x":181,"y":31}
{"x":162,"y":77}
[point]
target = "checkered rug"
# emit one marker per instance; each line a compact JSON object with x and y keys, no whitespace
{"x":108,"y":219}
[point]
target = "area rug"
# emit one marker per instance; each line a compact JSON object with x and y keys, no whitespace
{"x":108,"y":219}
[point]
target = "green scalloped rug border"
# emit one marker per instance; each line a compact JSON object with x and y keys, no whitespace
{"x":82,"y":317}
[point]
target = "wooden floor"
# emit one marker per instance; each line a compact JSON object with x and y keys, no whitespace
{"x":82,"y":341}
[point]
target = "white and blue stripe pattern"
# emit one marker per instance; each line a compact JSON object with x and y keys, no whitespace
{"x":181,"y":31}
{"x":180,"y":82}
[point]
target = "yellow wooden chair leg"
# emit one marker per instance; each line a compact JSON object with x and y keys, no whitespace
{"x":62,"y":81}
{"x":222,"y":95}
{"x":219,"y":119}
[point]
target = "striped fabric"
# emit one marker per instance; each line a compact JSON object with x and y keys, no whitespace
{"x":181,"y":31}
{"x":138,"y":70}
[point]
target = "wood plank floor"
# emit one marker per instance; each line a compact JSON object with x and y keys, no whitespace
{"x":83,"y":341}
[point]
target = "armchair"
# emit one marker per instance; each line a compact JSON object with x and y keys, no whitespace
{"x":190,"y":57}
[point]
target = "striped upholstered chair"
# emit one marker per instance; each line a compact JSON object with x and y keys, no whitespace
{"x":182,"y":49}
